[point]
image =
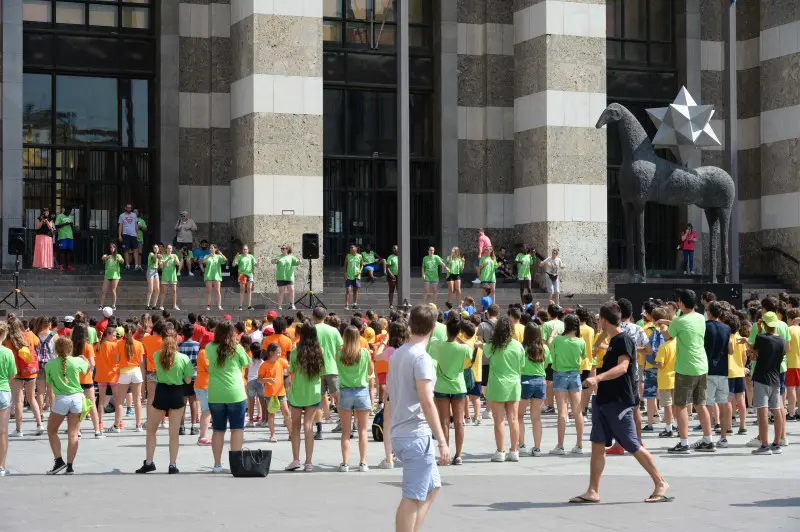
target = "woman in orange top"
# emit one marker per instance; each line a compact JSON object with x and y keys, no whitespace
{"x":201,"y":391}
{"x":279,"y":337}
{"x":152,"y":345}
{"x":106,"y":370}
{"x":23,"y":385}
{"x":129,"y":360}
{"x":82,"y":347}
{"x":270,"y":374}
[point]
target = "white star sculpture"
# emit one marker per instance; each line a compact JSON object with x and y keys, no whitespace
{"x":684,"y":126}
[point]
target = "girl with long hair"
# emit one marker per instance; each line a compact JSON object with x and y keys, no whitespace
{"x":173,"y":371}
{"x":111,"y":262}
{"x":227,"y":398}
{"x":130,"y":354}
{"x":537,"y":356}
{"x":488,"y":270}
{"x":355,"y":366}
{"x":503,"y":387}
{"x":524,"y":261}
{"x":8,"y":369}
{"x":82,"y":348}
{"x":567,"y":351}
{"x":63,"y":375}
{"x":170,"y":268}
{"x":306,"y":364}
{"x":23,"y":387}
{"x":431,"y":264}
{"x":455,"y":263}
{"x":106,"y":370}
{"x":151,"y":274}
{"x":40,"y":327}
{"x":212,"y":275}
{"x":43,"y":249}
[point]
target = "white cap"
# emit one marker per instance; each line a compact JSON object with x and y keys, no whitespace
{"x":107,"y":312}
{"x":69,"y":319}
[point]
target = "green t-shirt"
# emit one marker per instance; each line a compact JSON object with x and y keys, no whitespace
{"x":306,"y":390}
{"x":213,"y":266}
{"x":181,"y":368}
{"x":357,"y":375}
{"x":66,"y":231}
{"x":8,"y":368}
{"x":286,"y":265}
{"x":450,"y":357}
{"x":112,"y":266}
{"x":330,"y":341}
{"x":567,"y":353}
{"x":430,"y":268}
{"x":141,"y":225}
{"x":91,"y":335}
{"x":689,"y":332}
{"x":488,"y":273}
{"x":549,"y":326}
{"x":504,"y":382}
{"x":393,"y":263}
{"x":55,"y":378}
{"x":169,"y":271}
{"x":245,"y":264}
{"x":783,"y":331}
{"x":455,"y":265}
{"x":536,"y":369}
{"x":152,"y":261}
{"x":225,"y":384}
{"x":524,"y":265}
{"x":353,"y":263}
{"x":368,"y":256}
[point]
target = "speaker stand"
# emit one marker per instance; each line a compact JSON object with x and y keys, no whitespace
{"x":310,"y":300}
{"x":17,"y":291}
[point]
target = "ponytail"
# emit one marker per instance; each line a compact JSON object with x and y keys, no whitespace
{"x":129,"y":350}
{"x":63,"y":347}
{"x":168,"y":349}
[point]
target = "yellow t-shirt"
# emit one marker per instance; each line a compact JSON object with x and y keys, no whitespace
{"x":600,"y":354}
{"x":666,"y":355}
{"x":587,"y":335}
{"x":518,"y":332}
{"x":793,"y":357}
{"x":736,"y":359}
{"x":649,"y":328}
{"x":477,"y":368}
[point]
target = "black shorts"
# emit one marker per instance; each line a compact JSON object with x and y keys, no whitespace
{"x":87,"y":386}
{"x":129,"y":242}
{"x":485,"y":375}
{"x":188,"y":389}
{"x":284,"y":283}
{"x":585,"y":374}
{"x":548,"y":373}
{"x":454,"y":277}
{"x":168,"y":396}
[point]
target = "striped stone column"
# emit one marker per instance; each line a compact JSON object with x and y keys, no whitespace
{"x":560,"y":173}
{"x":276,"y":129}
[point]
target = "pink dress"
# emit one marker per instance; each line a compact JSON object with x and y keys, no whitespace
{"x":43,"y":251}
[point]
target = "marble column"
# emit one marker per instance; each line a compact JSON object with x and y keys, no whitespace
{"x":11,"y":121}
{"x":276,"y":130}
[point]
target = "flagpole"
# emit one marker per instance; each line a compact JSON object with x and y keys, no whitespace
{"x":732,"y":131}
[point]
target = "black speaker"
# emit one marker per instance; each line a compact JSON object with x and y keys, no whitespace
{"x":310,"y":246}
{"x":16,"y":241}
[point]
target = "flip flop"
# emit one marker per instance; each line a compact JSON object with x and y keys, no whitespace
{"x":658,"y":497}
{"x":580,"y":499}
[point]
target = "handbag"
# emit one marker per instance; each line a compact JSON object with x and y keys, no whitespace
{"x":469,"y":376}
{"x":249,"y":463}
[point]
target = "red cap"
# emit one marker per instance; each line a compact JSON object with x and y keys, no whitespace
{"x":227,"y":317}
{"x":272,"y":314}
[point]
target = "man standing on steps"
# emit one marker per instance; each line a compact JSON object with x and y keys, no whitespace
{"x":483,"y":245}
{"x":330,"y":341}
{"x":127,"y":225}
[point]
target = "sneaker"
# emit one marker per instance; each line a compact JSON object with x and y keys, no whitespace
{"x":160,"y":308}
{"x":512,"y":456}
{"x":755,"y":442}
{"x":536,"y":452}
{"x":308,"y":468}
{"x":762,"y":451}
{"x":249,"y":425}
{"x":173,"y":470}
{"x":648,"y":428}
{"x":355,"y":306}
{"x":240,"y":307}
{"x":2,"y":472}
{"x":498,"y":456}
{"x":146,"y":468}
{"x":784,"y":442}
{"x":40,"y":430}
{"x":665,"y":434}
{"x":704,"y":446}
{"x":113,"y":430}
{"x":318,"y":435}
{"x":742,"y":431}
{"x":457,"y":461}
{"x":549,"y":410}
{"x":99,"y":434}
{"x":486,"y":414}
{"x":16,"y":434}
{"x":127,"y":266}
{"x":219,"y":307}
{"x":175,"y":307}
{"x":292,"y":307}
{"x":697,"y":428}
{"x":162,"y":425}
{"x":347,"y":307}
{"x":137,"y":268}
{"x":294,"y":465}
{"x":344,"y":468}
{"x":217,"y":469}
{"x":251,"y":307}
{"x":195,"y":430}
{"x":129,"y":411}
{"x":182,"y":430}
{"x":337,"y":429}
{"x":476,"y":281}
{"x":679,"y":449}
{"x":191,"y":274}
{"x":776,"y":449}
{"x":722,"y":443}
{"x":521,"y":446}
{"x":558,"y":451}
{"x":58,"y":466}
{"x":386,"y":464}
{"x":69,"y":470}
{"x":363,"y":468}
{"x":476,"y":421}
{"x":615,"y":450}
{"x":577,"y":450}
{"x":113,"y":307}
{"x":208,"y":308}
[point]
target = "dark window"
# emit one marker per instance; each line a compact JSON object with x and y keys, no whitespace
{"x":87,"y":110}
{"x":333,"y":139}
{"x":37,"y":108}
{"x":134,"y":110}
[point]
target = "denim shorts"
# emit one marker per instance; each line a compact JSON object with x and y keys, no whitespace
{"x":567,"y":381}
{"x":202,"y":396}
{"x":420,"y":472}
{"x":438,"y":395}
{"x":5,"y":400}
{"x":782,"y":377}
{"x":255,"y":389}
{"x":68,"y":404}
{"x":651,"y":383}
{"x":614,"y":421}
{"x":354,"y":399}
{"x":476,"y":390}
{"x":224,"y":414}
{"x":533,"y":387}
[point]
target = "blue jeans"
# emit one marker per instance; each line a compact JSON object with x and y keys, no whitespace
{"x":567,"y":381}
{"x":223,"y":414}
{"x":688,"y":260}
{"x":533,"y":387}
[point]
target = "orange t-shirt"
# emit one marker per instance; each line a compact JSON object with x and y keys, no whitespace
{"x":282,"y":340}
{"x":138,"y":352}
{"x":88,"y":352}
{"x":105,"y":362}
{"x":273,"y":370}
{"x":152,"y":344}
{"x":201,"y":381}
{"x":33,"y":340}
{"x":363,"y":343}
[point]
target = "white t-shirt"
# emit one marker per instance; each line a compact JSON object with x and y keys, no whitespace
{"x":129,"y":223}
{"x":252,"y":369}
{"x":184,"y":230}
{"x":256,"y":336}
{"x":409,"y":363}
{"x":552,"y":266}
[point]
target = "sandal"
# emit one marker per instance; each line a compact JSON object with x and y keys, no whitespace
{"x":659,"y":497}
{"x":580,"y":499}
{"x":273,"y":439}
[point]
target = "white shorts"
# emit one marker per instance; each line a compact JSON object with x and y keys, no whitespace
{"x":68,"y":404}
{"x":553,"y":287}
{"x":130,"y":376}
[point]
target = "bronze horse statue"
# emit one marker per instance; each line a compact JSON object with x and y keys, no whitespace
{"x":645,"y":177}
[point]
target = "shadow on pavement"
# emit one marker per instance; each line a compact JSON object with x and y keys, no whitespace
{"x":787,"y":502}
{"x":512,"y":506}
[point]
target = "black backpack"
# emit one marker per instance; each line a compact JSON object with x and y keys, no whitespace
{"x":377,"y":426}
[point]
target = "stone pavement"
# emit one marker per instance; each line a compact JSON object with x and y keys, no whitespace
{"x":730,"y":489}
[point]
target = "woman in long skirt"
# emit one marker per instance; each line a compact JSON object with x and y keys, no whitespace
{"x":43,"y":249}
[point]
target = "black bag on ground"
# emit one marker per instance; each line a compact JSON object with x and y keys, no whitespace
{"x":247,"y":463}
{"x":377,"y":426}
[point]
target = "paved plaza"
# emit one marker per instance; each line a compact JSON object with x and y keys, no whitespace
{"x":729,"y":489}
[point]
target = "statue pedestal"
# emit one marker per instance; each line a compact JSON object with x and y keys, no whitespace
{"x":638,"y":293}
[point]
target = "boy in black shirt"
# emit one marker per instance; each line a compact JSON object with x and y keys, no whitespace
{"x":768,"y":351}
{"x":612,"y":409}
